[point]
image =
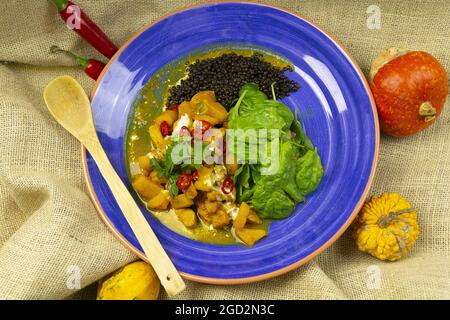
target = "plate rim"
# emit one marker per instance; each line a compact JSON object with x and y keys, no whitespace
{"x":295,"y":265}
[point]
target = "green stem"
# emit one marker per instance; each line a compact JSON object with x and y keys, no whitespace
{"x":83,"y":62}
{"x":272,"y":86}
{"x":60,"y":4}
{"x":427,"y":111}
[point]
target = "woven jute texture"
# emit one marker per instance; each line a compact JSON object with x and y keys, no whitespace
{"x":49,"y":228}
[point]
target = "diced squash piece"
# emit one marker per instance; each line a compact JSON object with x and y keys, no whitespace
{"x":241,"y":218}
{"x":187,"y":217}
{"x":211,"y":206}
{"x":205,"y":117}
{"x":250,"y":236}
{"x":253,"y":218}
{"x":204,"y":182}
{"x":191,"y":192}
{"x":220,"y":219}
{"x":213,"y":196}
{"x":170,"y":116}
{"x":160,"y":202}
{"x":201,"y":209}
{"x":146,"y":187}
{"x":181,"y":201}
{"x":205,"y":102}
{"x":144,"y":163}
{"x":157,"y":138}
{"x":206,"y":95}
{"x":217,"y":111}
{"x":185,"y":108}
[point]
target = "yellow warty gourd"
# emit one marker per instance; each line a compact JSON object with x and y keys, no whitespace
{"x":386,"y":227}
{"x":135,"y":281}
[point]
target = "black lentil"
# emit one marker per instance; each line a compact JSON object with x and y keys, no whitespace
{"x":226,"y":74}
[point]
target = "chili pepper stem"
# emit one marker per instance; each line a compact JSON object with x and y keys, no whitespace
{"x":61,"y":4}
{"x":83,"y":62}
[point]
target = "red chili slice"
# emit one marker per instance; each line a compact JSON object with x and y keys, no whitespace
{"x":194,"y":175}
{"x":227,"y":185}
{"x":173,"y":108}
{"x":185,"y":132}
{"x":184,"y":181}
{"x":205,"y":126}
{"x":164,"y":127}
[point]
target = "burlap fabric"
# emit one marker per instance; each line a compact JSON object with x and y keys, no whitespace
{"x":47,"y":222}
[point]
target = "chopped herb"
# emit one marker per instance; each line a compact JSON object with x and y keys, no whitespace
{"x":173,"y":188}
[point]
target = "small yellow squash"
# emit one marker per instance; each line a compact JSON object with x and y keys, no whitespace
{"x":386,"y":227}
{"x":135,"y":281}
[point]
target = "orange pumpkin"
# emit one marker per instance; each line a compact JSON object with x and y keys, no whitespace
{"x":409,"y":88}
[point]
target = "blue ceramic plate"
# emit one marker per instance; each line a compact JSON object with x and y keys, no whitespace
{"x":335,"y":106}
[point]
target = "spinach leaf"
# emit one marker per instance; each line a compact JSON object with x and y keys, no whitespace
{"x":300,"y":135}
{"x":289,"y":153}
{"x":269,"y":200}
{"x":266,"y":114}
{"x":253,"y":94}
{"x":309,"y":172}
{"x":242,"y":179}
{"x":299,"y":171}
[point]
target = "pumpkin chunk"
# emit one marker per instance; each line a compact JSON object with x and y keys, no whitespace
{"x":241,"y":217}
{"x":220,"y":219}
{"x":181,"y":201}
{"x":168,"y":116}
{"x":146,"y":187}
{"x":250,"y":236}
{"x":160,"y":202}
{"x":157,"y":138}
{"x":191,"y":192}
{"x":187,"y":217}
{"x":253,"y":218}
{"x":204,"y":182}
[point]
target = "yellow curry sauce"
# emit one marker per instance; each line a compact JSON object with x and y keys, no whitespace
{"x":150,"y":104}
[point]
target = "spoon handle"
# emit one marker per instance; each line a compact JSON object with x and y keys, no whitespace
{"x":164,"y":268}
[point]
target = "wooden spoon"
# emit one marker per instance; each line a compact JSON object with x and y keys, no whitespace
{"x":70,"y":106}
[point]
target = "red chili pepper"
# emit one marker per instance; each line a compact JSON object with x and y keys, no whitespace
{"x":184,"y":132}
{"x":227,"y":185}
{"x":77,"y":20}
{"x":164,"y":127}
{"x":91,"y":67}
{"x":173,"y":108}
{"x":184,"y":181}
{"x":194,"y":175}
{"x":205,"y":126}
